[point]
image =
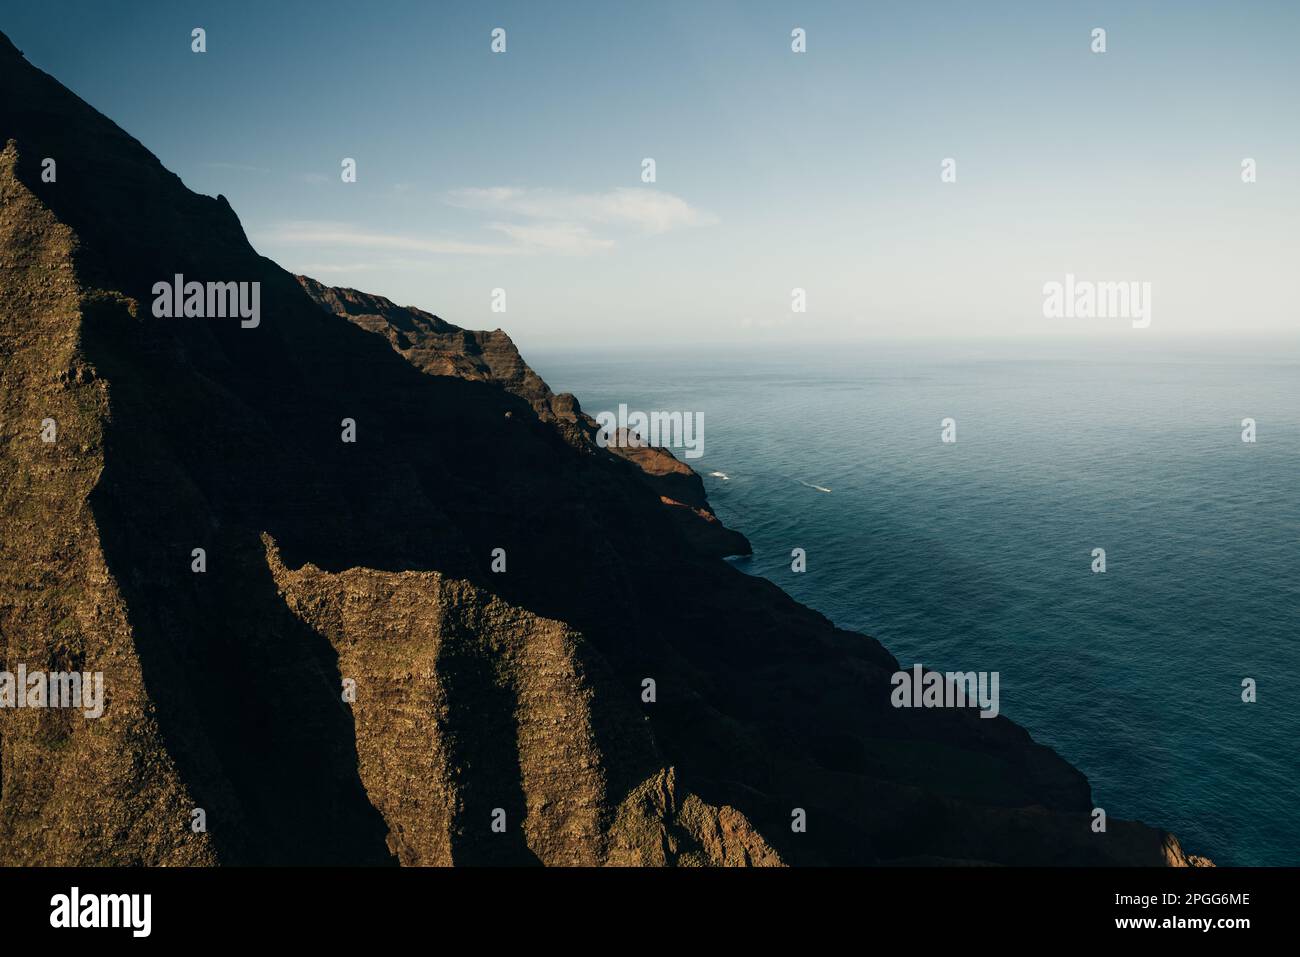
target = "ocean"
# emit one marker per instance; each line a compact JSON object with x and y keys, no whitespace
{"x":978,"y":554}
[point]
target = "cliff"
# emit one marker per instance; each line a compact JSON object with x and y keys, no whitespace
{"x":439,"y":348}
{"x":370,"y":564}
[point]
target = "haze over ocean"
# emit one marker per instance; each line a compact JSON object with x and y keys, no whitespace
{"x":977,"y":555}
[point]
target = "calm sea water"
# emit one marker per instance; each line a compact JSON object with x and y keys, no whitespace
{"x":977,"y":555}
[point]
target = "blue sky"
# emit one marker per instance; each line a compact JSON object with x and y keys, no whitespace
{"x":775,"y":170}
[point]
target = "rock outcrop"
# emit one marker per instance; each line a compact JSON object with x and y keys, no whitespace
{"x":353,"y":678}
{"x":439,"y":348}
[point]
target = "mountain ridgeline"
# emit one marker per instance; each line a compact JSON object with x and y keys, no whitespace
{"x":493,"y":717}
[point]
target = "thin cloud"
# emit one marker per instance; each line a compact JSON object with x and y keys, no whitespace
{"x":238,"y":167}
{"x":308,"y":233}
{"x":557,"y":223}
{"x":570,"y":239}
{"x":649,"y":211}
{"x":313,"y":269}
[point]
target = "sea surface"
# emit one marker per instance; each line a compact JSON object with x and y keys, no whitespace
{"x":977,"y":555}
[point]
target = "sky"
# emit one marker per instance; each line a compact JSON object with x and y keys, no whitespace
{"x":774,"y":170}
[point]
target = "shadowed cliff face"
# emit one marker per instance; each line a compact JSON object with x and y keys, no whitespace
{"x":439,"y":348}
{"x":370,"y":562}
